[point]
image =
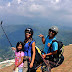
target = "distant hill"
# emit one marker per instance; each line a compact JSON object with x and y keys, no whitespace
{"x":16,"y":33}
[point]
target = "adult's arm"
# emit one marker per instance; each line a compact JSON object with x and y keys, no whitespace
{"x":33,"y":56}
{"x":51,"y":53}
{"x":55,"y":48}
{"x":43,"y":39}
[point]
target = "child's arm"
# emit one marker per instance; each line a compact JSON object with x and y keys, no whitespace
{"x":20,"y":61}
{"x":13,"y":48}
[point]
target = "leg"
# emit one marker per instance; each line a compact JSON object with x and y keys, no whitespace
{"x":20,"y":69}
{"x":25,"y":68}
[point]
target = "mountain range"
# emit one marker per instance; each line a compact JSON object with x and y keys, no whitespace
{"x":16,"y":33}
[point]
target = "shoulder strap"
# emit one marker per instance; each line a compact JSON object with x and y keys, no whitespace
{"x":46,"y":38}
{"x":30,"y":42}
{"x":52,"y":43}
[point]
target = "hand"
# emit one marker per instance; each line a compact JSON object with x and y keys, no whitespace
{"x":31,"y":65}
{"x":13,"y":48}
{"x":41,"y":35}
{"x":44,"y":56}
{"x":49,"y":44}
{"x":15,"y":68}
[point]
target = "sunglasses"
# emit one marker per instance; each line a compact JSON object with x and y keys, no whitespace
{"x":52,"y":31}
{"x":27,"y":32}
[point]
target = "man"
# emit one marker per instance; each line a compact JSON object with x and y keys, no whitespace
{"x":48,"y":41}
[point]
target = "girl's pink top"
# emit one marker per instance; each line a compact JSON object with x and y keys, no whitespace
{"x":18,"y":56}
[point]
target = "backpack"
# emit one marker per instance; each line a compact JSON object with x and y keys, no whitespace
{"x":38,"y":58}
{"x":60,"y":49}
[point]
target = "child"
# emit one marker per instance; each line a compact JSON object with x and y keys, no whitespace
{"x":19,"y":54}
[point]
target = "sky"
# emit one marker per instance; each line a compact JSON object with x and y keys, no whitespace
{"x":26,"y":11}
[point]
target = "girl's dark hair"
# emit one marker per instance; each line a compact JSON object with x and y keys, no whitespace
{"x":18,"y":45}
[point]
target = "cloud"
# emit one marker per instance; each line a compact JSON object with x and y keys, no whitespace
{"x":9,"y":4}
{"x":37,"y":8}
{"x":55,"y":1}
{"x":19,"y":1}
{"x":1,"y":7}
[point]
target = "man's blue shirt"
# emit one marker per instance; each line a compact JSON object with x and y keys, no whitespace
{"x":54,"y":45}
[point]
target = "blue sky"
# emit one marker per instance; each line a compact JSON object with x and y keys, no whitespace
{"x":15,"y":11}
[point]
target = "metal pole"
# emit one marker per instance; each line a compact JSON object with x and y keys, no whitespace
{"x":5,"y":34}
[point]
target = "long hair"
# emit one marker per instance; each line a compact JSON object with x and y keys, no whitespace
{"x":18,"y":45}
{"x":27,"y":40}
{"x":31,"y":37}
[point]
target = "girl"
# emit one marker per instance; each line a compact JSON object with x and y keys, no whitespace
{"x":29,"y":48}
{"x":19,"y":54}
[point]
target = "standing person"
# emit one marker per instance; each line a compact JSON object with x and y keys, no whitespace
{"x":52,"y":32}
{"x":29,"y":49}
{"x":19,"y":55}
